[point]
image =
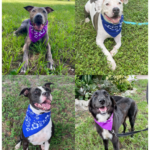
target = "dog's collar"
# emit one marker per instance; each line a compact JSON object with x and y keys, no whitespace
{"x":106,"y":125}
{"x":33,"y":123}
{"x":112,"y":29}
{"x":37,"y":35}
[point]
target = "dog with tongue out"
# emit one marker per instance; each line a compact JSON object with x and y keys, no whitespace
{"x":38,"y":127}
{"x":107,"y":19}
{"x":37,"y":30}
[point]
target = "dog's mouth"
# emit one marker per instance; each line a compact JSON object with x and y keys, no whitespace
{"x":114,"y":19}
{"x":46,"y":105}
{"x":38,"y":26}
{"x":102,"y":109}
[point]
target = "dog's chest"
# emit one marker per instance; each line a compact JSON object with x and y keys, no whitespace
{"x":42,"y":136}
{"x":106,"y":134}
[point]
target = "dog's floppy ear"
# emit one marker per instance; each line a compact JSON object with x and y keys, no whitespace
{"x":113,"y":102}
{"x":90,"y":105}
{"x":124,"y":1}
{"x":49,"y":10}
{"x":48,"y":84}
{"x":98,"y":6}
{"x":29,"y":8}
{"x":25,"y":92}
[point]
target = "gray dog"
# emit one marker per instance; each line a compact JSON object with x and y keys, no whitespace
{"x":36,"y":28}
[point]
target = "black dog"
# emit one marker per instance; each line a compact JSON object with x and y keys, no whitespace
{"x":103,"y":107}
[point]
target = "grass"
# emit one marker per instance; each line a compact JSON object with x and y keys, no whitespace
{"x":132,"y":57}
{"x":88,"y":138}
{"x":61,"y":37}
{"x":62,"y":113}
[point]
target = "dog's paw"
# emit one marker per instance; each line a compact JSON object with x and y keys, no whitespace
{"x":87,"y":20}
{"x":50,"y":66}
{"x":23,"y":70}
{"x":114,"y":51}
{"x":14,"y":33}
{"x":112,"y":64}
{"x":18,"y":145}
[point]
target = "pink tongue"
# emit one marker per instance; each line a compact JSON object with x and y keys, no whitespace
{"x":39,"y":28}
{"x":112,"y":20}
{"x":103,"y":109}
{"x":47,"y":106}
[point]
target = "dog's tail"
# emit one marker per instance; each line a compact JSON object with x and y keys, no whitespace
{"x":19,"y":142}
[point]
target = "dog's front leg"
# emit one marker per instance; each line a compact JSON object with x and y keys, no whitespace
{"x":115,"y":142}
{"x":46,"y":146}
{"x":25,"y":145}
{"x":110,"y":60}
{"x":25,"y":55}
{"x":48,"y":54}
{"x":117,"y":46}
{"x":105,"y":144}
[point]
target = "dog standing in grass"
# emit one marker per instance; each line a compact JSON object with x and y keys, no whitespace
{"x":109,"y":113}
{"x":37,"y":29}
{"x":107,"y":18}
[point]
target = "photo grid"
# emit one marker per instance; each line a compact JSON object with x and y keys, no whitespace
{"x":74,"y":75}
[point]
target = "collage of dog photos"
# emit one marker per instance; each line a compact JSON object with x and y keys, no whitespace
{"x":74,"y":75}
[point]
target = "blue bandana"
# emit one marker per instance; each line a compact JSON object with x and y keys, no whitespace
{"x":33,"y":123}
{"x":112,"y":29}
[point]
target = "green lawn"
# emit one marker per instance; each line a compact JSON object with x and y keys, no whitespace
{"x":61,"y":37}
{"x":86,"y":136}
{"x":132,"y":57}
{"x":62,"y":113}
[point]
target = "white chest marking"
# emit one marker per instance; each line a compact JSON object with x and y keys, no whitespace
{"x":102,"y":118}
{"x":42,"y":136}
{"x":106,"y":134}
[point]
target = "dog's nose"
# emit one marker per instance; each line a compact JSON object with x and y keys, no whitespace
{"x":102,"y":101}
{"x":39,"y":16}
{"x":116,"y":10}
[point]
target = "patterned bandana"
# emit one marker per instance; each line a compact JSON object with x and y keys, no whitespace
{"x":106,"y":125}
{"x":112,"y":29}
{"x":37,"y":35}
{"x":33,"y":123}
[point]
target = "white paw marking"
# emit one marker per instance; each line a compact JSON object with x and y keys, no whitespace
{"x":14,"y":34}
{"x":87,"y":20}
{"x":18,"y":145}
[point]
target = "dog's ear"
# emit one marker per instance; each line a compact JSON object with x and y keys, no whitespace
{"x":98,"y":5}
{"x":25,"y":92}
{"x":49,"y":10}
{"x":124,"y":1}
{"x":113,"y":102}
{"x":90,"y":105}
{"x":29,"y":8}
{"x":48,"y":84}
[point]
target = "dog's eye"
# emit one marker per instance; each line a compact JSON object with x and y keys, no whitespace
{"x":44,"y":11}
{"x":119,"y":2}
{"x":33,"y":10}
{"x":107,"y":4}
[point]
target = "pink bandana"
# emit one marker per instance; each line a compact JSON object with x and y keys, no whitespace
{"x":37,"y":35}
{"x":106,"y":125}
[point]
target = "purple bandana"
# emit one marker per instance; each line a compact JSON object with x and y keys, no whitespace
{"x":37,"y":35}
{"x":106,"y":125}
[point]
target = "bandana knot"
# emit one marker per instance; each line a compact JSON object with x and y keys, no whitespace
{"x":33,"y":123}
{"x":112,"y":29}
{"x":106,"y":125}
{"x":37,"y":35}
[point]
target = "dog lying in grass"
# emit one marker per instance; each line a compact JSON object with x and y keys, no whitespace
{"x":107,"y":18}
{"x":37,"y":30}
